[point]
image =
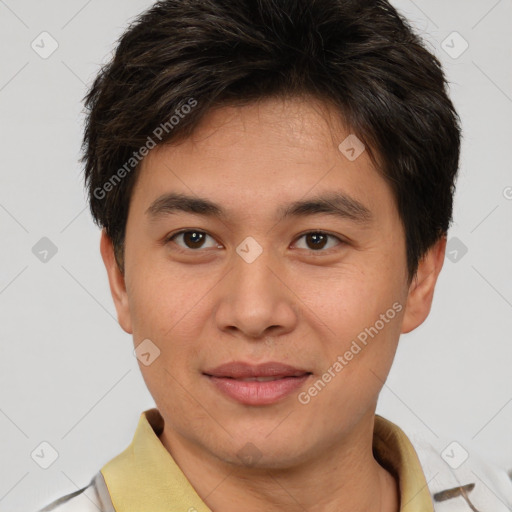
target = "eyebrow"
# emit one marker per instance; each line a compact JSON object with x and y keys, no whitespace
{"x":337,"y":204}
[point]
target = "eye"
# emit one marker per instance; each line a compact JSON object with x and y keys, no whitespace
{"x":318,"y":240}
{"x":192,"y":238}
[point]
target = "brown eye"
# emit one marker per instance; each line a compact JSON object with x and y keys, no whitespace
{"x":318,"y":240}
{"x":192,"y":239}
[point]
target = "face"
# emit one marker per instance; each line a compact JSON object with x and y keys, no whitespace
{"x":320,"y":287}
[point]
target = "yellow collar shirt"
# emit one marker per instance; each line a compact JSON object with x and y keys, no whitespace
{"x":145,"y":478}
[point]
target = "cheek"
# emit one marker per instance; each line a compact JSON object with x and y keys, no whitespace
{"x":172,"y":312}
{"x":362,"y":312}
{"x":159,"y":296}
{"x":349,"y":299}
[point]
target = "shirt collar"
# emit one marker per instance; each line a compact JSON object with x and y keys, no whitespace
{"x":145,"y":476}
{"x":394,"y":451}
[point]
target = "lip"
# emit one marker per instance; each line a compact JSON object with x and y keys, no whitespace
{"x":228,"y":379}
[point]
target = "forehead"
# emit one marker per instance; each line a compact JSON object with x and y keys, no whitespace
{"x":296,"y":123}
{"x":259,"y":154}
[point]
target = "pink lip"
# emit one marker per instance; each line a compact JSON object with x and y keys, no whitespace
{"x":227,"y":379}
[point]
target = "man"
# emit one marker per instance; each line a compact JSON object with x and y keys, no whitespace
{"x":274,"y":181}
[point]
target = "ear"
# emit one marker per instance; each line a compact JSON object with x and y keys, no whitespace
{"x":117,"y":282}
{"x":421,"y":289}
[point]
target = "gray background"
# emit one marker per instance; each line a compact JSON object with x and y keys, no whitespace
{"x":67,"y":371}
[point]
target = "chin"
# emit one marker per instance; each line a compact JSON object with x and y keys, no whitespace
{"x":262,"y":454}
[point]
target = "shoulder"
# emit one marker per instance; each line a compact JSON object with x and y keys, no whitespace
{"x":460,"y":478}
{"x":94,"y":497}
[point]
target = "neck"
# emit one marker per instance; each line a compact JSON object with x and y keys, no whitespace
{"x":341,"y":477}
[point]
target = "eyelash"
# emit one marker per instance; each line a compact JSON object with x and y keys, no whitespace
{"x":316,"y":232}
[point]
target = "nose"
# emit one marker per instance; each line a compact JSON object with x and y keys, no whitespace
{"x":254,"y":299}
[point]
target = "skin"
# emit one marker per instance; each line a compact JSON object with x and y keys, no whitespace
{"x":294,"y":304}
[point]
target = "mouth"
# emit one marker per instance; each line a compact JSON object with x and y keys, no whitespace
{"x":262,"y":379}
{"x":261,"y":384}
